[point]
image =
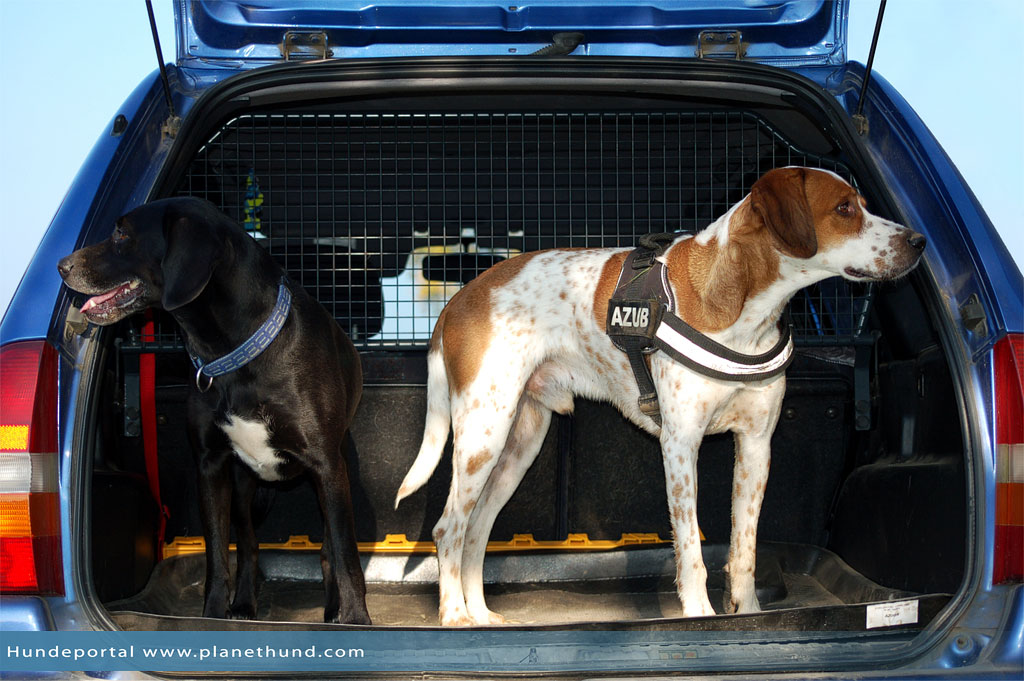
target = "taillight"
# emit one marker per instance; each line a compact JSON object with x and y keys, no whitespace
{"x":1008,"y":365}
{"x":30,"y":561}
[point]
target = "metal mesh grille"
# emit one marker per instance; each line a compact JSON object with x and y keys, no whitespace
{"x":383,"y":216}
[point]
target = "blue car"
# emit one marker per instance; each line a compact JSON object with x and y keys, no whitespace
{"x":387,"y":153}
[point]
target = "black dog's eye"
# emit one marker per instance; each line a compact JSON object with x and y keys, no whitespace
{"x":845,"y":209}
{"x":120,"y":240}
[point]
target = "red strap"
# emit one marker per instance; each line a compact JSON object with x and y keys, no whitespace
{"x":147,"y":404}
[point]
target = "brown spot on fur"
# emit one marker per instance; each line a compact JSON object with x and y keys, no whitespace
{"x":464,"y":327}
{"x":606,"y":287}
{"x":713,"y":282}
{"x":470,"y":505}
{"x":677,"y":490}
{"x":779,"y":199}
{"x":824,"y":194}
{"x":477,"y":461}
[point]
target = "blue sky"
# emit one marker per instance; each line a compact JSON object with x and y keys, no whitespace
{"x":66,"y":66}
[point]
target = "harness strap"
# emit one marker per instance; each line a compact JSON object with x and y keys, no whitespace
{"x":648,"y":400}
{"x":635,"y":312}
{"x":690,"y":347}
{"x":641,"y":321}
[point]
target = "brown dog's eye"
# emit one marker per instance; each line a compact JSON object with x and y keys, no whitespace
{"x":845,"y":209}
{"x":119,"y":235}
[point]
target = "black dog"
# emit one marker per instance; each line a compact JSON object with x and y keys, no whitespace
{"x":279,"y":404}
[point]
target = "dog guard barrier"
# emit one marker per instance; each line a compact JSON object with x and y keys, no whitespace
{"x":384,"y":216}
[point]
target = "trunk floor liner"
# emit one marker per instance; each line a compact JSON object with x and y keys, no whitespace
{"x":800,"y":587}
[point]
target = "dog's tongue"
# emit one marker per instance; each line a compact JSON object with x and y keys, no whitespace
{"x":97,"y":300}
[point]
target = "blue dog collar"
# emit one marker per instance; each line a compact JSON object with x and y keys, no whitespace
{"x":251,"y":348}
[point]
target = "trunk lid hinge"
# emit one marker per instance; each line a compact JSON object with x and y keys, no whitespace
{"x":305,"y":45}
{"x":727,"y":44}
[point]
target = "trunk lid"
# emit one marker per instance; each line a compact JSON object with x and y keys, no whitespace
{"x":236,"y":35}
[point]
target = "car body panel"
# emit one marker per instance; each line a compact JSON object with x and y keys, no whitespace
{"x":974,"y":260}
{"x":90,"y":191}
{"x":246,"y":34}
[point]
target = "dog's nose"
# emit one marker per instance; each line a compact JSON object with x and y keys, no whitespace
{"x":917,"y":241}
{"x":65,"y":267}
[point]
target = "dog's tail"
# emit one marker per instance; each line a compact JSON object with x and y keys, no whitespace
{"x":435,"y":432}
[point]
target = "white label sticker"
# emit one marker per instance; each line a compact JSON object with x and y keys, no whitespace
{"x":891,"y":614}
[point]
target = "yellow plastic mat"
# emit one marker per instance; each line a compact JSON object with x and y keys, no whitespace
{"x":398,"y":543}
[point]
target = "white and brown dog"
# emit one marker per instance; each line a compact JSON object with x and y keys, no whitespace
{"x":520,"y":340}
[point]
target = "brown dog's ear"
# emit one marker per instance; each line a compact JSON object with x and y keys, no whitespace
{"x":188,"y":262}
{"x":780,"y":200}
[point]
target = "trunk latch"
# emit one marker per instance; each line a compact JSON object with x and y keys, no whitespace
{"x":972,"y":314}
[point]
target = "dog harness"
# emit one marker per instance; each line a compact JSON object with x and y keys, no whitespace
{"x":641,"y":321}
{"x":259,"y":341}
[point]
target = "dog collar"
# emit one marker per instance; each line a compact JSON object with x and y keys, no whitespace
{"x":259,"y":341}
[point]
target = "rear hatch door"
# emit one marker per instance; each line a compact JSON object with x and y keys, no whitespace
{"x":243,"y":34}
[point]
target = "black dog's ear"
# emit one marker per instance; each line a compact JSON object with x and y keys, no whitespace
{"x":780,"y":200}
{"x":189,"y":260}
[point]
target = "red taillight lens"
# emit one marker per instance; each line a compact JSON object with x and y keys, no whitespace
{"x":29,"y":503}
{"x":1008,"y":366}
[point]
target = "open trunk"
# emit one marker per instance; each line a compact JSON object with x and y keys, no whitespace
{"x":383,"y":191}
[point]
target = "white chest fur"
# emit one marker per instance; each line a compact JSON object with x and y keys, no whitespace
{"x":251,"y":442}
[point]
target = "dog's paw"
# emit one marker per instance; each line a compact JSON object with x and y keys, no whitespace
{"x":361,"y":617}
{"x":742,"y":607}
{"x":489,"y":618}
{"x":216,"y":609}
{"x":698,"y":607}
{"x":461,"y":620}
{"x":742,"y":601}
{"x":242,"y":611}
